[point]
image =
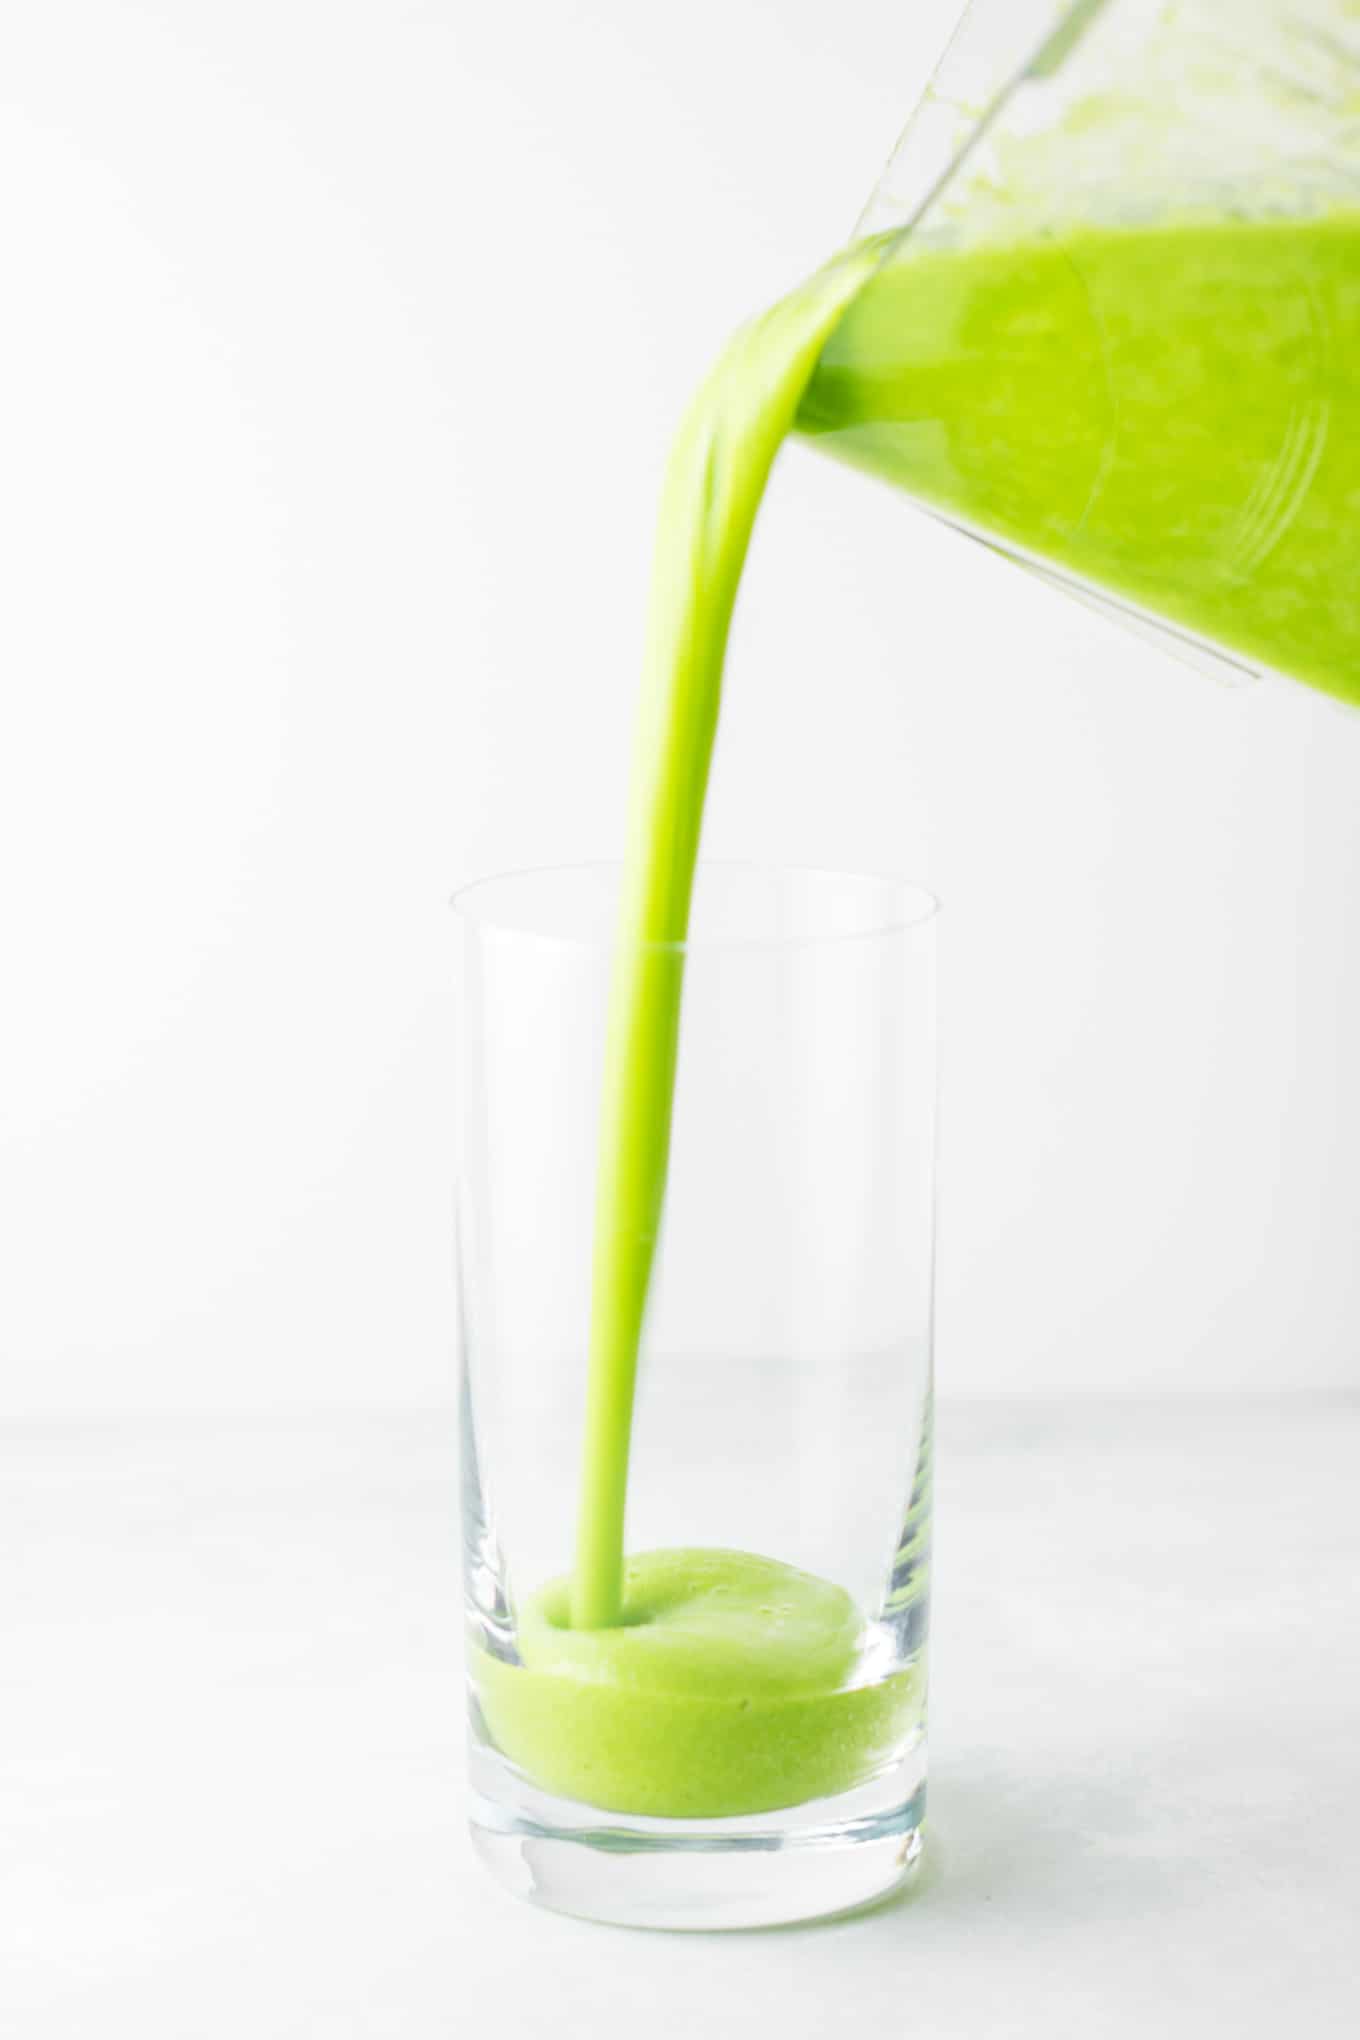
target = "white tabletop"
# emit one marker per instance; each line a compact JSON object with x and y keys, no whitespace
{"x":231,"y":1748}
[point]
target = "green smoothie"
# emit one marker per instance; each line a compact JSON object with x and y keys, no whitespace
{"x":1170,"y":415}
{"x":715,"y":479}
{"x":725,"y":1689}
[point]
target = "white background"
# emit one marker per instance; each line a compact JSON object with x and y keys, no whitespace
{"x":340,"y":349}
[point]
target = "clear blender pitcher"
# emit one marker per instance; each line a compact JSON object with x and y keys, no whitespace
{"x":1116,"y":329}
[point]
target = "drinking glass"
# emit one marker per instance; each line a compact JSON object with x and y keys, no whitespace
{"x":783,"y":1400}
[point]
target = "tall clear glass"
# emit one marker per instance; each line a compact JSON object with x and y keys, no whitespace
{"x":750,"y":1747}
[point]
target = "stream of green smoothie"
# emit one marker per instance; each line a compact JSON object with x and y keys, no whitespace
{"x":1170,"y":416}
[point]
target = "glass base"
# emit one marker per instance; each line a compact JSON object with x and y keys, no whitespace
{"x":802,"y":1863}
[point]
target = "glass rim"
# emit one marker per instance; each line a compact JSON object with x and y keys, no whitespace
{"x":910,"y":907}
